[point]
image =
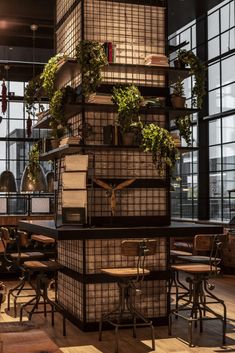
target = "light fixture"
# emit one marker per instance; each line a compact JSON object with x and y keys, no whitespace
{"x":50,"y":181}
{"x":7,"y":182}
{"x":30,"y":185}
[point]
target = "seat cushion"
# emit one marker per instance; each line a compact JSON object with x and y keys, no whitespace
{"x":42,"y":265}
{"x":43,"y":239}
{"x":196,"y":268}
{"x":125,"y":272}
{"x":180,"y":253}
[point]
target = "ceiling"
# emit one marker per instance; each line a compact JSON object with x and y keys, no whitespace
{"x":16,"y":37}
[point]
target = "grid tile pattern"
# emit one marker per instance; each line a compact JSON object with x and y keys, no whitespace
{"x":62,"y":6}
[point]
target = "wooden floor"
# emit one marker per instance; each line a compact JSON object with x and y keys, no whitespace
{"x":80,"y":342}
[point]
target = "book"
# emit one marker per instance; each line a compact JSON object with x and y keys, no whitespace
{"x":76,"y":162}
{"x":74,"y":180}
{"x":74,"y":198}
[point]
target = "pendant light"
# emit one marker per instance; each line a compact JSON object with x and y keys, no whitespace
{"x":30,"y":185}
{"x":7,"y":182}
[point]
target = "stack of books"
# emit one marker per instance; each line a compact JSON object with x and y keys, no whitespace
{"x":110,"y":51}
{"x":156,"y":59}
{"x":71,"y":140}
{"x":99,"y":98}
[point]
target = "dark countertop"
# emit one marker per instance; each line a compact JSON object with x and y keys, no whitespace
{"x":176,"y":229}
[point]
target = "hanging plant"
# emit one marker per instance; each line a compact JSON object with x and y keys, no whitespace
{"x":58,"y":122}
{"x":48,"y":75}
{"x":183,"y":124}
{"x":4,"y":97}
{"x":33,"y":165}
{"x":160,"y":143}
{"x":199,"y":71}
{"x":91,"y":58}
{"x":31,"y":95}
{"x":128,"y":101}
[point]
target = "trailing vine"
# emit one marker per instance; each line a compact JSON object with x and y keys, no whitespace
{"x":33,"y":165}
{"x":183,"y":124}
{"x":31,"y":95}
{"x":92,"y":58}
{"x":199,"y":71}
{"x":128,"y":101}
{"x":48,"y":75}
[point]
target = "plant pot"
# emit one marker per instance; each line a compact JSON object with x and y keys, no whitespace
{"x":178,"y":102}
{"x":55,"y":143}
{"x":128,"y":139}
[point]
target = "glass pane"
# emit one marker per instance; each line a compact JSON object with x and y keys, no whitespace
{"x":214,"y":132}
{"x":228,"y":75}
{"x":213,"y":24}
{"x":229,"y":156}
{"x":17,"y":88}
{"x":213,"y":48}
{"x":215,"y":209}
{"x":214,"y":102}
{"x":16,"y":110}
{"x":214,"y":76}
{"x":228,"y":97}
{"x":16,"y":128}
{"x":215,"y":158}
{"x":227,"y":41}
{"x":228,"y":124}
{"x":227,"y":16}
{"x":3,"y":127}
{"x":228,"y":183}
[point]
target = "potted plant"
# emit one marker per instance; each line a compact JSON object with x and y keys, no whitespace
{"x":183,"y":124}
{"x":31,"y":94}
{"x":160,"y":143}
{"x":58,"y":122}
{"x":128,"y":102}
{"x":91,"y":58}
{"x":34,"y":165}
{"x":48,"y":75}
{"x":199,"y":71}
{"x":177,"y":96}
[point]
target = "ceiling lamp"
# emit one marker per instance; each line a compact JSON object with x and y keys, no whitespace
{"x":50,"y":181}
{"x":30,"y":185}
{"x":7,"y":182}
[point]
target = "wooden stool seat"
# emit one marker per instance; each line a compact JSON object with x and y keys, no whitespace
{"x":197,"y":258}
{"x":42,"y":265}
{"x":26,"y":255}
{"x":125,"y":272}
{"x":196,"y":268}
{"x":180,"y":253}
{"x":43,"y":239}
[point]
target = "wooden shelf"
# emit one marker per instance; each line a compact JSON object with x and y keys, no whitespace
{"x":73,"y":109}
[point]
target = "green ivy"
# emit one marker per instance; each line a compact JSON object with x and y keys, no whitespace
{"x":48,"y":75}
{"x":31,"y":95}
{"x":199,"y":71}
{"x":92,"y":58}
{"x":128,"y":101}
{"x":160,"y":143}
{"x":33,"y":165}
{"x":183,"y":124}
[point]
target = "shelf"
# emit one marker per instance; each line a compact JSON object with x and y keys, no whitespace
{"x":73,"y":109}
{"x":187,"y":149}
{"x":71,"y":149}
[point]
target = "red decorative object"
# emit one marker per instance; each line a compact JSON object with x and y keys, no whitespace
{"x":29,"y":126}
{"x":4,"y":97}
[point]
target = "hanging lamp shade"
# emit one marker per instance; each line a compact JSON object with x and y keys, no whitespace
{"x":30,"y":184}
{"x":50,"y":181}
{"x":7,"y":182}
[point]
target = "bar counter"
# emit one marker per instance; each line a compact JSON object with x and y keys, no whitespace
{"x":85,"y":292}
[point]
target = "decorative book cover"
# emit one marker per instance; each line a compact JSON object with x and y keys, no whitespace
{"x":77,"y":198}
{"x":76,"y":162}
{"x":74,"y":180}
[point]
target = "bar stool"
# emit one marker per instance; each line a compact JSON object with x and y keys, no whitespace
{"x":127,"y":279}
{"x":199,"y":290}
{"x":16,"y":259}
{"x":42,"y":269}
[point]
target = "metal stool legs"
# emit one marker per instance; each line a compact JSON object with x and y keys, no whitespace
{"x":125,"y":306}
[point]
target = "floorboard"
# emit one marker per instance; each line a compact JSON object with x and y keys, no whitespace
{"x":77,"y":341}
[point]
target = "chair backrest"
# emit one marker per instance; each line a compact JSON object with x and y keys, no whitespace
{"x":5,"y":236}
{"x":143,"y":247}
{"x":22,"y":238}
